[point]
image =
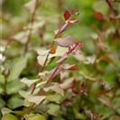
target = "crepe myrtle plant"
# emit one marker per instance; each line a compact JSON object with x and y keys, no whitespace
{"x":60,"y":90}
{"x":71,"y":46}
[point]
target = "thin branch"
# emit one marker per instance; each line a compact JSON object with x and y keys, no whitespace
{"x":110,"y":4}
{"x":56,"y":69}
{"x":31,"y":25}
{"x":46,"y":58}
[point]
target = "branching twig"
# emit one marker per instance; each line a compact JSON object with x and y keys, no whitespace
{"x":56,"y":69}
{"x":52,"y":75}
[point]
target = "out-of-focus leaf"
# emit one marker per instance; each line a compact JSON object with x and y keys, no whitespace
{"x":2,"y":79}
{"x":27,"y":103}
{"x":79,"y":115}
{"x":31,"y":5}
{"x":29,"y":82}
{"x":17,"y":67}
{"x":63,"y":74}
{"x":57,"y":98}
{"x":53,"y":109}
{"x":34,"y":117}
{"x":2,"y":103}
{"x":66,"y":41}
{"x":9,"y":117}
{"x":42,"y":56}
{"x":101,"y":6}
{"x":36,"y":99}
{"x":44,"y":75}
{"x":6,"y":111}
{"x":56,"y":88}
{"x":105,"y":101}
{"x":15,"y":102}
{"x":24,"y":94}
{"x":67,"y":83}
{"x":116,"y":104}
{"x":21,"y":37}
{"x":14,"y":86}
{"x":90,"y":60}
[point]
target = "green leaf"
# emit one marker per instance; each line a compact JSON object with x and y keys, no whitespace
{"x":24,"y":94}
{"x":2,"y":103}
{"x":14,"y":86}
{"x":29,"y":82}
{"x":2,"y":78}
{"x":42,"y":54}
{"x":6,"y":111}
{"x":57,"y":98}
{"x":17,"y":67}
{"x":9,"y":117}
{"x":56,"y":88}
{"x":15,"y":102}
{"x":31,"y":5}
{"x":53,"y":109}
{"x":101,"y":6}
{"x":36,"y":99}
{"x":34,"y":117}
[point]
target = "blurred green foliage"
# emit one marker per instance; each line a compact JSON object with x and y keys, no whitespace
{"x":95,"y":93}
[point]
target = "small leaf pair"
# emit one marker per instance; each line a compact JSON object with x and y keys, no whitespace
{"x":67,"y":14}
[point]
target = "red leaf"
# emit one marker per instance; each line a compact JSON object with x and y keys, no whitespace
{"x":67,"y":14}
{"x":98,"y":15}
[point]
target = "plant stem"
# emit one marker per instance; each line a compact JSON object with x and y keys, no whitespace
{"x":5,"y":89}
{"x":31,"y":25}
{"x":47,"y":58}
{"x":52,"y":75}
{"x":109,"y":2}
{"x":56,"y":69}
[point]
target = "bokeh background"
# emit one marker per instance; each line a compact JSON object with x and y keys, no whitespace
{"x":98,"y":28}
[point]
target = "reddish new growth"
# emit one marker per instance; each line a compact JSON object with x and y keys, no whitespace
{"x":67,"y":14}
{"x":68,"y":41}
{"x":98,"y":15}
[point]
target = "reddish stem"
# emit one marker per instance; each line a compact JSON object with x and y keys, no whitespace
{"x":109,"y":2}
{"x":56,"y":69}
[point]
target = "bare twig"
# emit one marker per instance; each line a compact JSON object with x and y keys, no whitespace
{"x":31,"y":25}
